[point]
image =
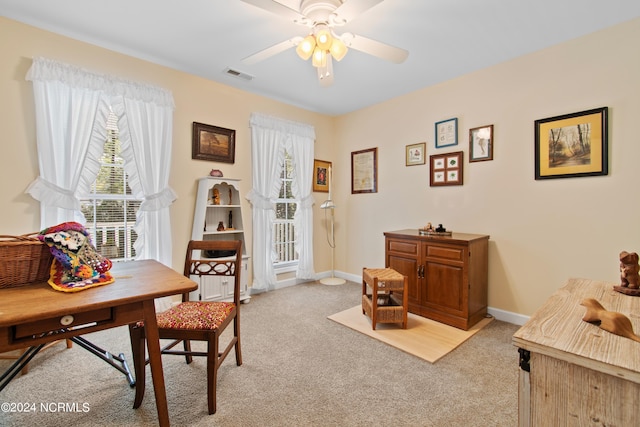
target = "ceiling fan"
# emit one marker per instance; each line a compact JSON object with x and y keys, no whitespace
{"x":322,"y":43}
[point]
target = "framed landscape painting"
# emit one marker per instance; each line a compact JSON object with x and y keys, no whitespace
{"x":572,"y":145}
{"x":213,"y":143}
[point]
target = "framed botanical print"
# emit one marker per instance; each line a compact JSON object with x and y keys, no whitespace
{"x":447,"y":133}
{"x":415,"y":154}
{"x":481,"y":143}
{"x":446,"y":169}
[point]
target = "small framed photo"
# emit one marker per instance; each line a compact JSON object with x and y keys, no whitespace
{"x":446,"y":169}
{"x":416,"y":154}
{"x":572,"y":145}
{"x":321,"y":175}
{"x":481,"y":143}
{"x":364,"y":171}
{"x":213,"y":143}
{"x":447,"y":133}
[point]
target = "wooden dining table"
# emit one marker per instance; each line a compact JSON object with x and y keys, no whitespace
{"x":36,"y":314}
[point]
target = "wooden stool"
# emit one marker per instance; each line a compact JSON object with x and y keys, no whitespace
{"x":383,"y":304}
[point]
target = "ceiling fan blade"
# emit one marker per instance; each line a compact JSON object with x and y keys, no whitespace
{"x":375,"y":48}
{"x":271,"y":51}
{"x":350,"y":9}
{"x":275,"y":7}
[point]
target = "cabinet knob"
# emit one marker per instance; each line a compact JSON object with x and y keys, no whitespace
{"x":66,"y":320}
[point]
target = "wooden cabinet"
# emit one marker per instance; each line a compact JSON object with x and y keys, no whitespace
{"x":219,"y":220}
{"x":447,"y":275}
{"x":574,"y":373}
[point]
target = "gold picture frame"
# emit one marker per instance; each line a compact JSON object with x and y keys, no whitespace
{"x":213,"y":143}
{"x":321,"y":175}
{"x":364,"y":171}
{"x":415,"y":154}
{"x":572,"y":145}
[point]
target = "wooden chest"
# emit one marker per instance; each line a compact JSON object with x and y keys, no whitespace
{"x":574,"y":373}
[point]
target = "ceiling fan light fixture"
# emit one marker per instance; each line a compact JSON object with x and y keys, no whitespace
{"x":305,"y":47}
{"x":324,"y":39}
{"x":325,"y":72}
{"x":319,"y":58}
{"x":338,"y":49}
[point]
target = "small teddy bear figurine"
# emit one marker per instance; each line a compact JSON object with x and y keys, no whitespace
{"x":629,"y":268}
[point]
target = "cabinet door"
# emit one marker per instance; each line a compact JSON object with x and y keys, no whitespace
{"x":403,"y":257}
{"x":211,"y":288}
{"x":227,"y":282}
{"x":408,"y":267}
{"x":445,"y":278}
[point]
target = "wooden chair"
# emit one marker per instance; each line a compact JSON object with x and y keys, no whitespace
{"x":197,"y":320}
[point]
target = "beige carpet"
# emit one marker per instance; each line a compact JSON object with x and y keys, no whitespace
{"x":424,"y":338}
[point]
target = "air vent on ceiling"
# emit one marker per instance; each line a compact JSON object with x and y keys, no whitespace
{"x":238,"y":74}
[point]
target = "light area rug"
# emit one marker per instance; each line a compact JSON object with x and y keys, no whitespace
{"x":423,"y":338}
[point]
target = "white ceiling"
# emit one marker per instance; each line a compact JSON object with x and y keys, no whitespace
{"x":445,"y":39}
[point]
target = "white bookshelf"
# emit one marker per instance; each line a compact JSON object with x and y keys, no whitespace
{"x":206,"y":220}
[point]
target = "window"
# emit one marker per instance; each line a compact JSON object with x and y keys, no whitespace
{"x":283,"y":228}
{"x":110,"y":209}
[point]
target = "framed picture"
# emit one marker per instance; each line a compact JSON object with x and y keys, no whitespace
{"x":447,"y":133}
{"x":446,"y":169}
{"x":213,"y":143}
{"x":572,"y":145}
{"x":481,"y":144}
{"x":364,"y":171}
{"x":416,"y":154}
{"x":321,"y":175}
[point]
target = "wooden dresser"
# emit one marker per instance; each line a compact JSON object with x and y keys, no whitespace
{"x":447,"y":275}
{"x":572,"y":372}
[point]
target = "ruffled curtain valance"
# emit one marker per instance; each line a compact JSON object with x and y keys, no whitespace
{"x":44,"y":69}
{"x":286,"y":127}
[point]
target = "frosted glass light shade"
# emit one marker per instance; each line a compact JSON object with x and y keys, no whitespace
{"x":319,"y":57}
{"x":338,"y":49}
{"x":305,"y":47}
{"x":324,"y":39}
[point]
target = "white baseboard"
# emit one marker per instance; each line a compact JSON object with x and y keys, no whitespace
{"x":280,"y":284}
{"x":508,"y":316}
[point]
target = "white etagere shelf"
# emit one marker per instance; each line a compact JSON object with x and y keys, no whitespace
{"x":209,"y":215}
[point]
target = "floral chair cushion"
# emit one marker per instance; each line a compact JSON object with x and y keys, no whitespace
{"x":195,"y":315}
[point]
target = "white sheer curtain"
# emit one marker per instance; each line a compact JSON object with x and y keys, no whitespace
{"x":269,"y":138}
{"x":72,"y":106}
{"x":301,"y":149}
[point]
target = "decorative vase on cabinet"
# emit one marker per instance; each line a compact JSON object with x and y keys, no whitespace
{"x":218,"y":216}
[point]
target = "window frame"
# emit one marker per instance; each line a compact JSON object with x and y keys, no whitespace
{"x":287,"y":265}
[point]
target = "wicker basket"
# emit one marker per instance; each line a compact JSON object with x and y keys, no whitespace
{"x":23,"y":259}
{"x":391,"y":312}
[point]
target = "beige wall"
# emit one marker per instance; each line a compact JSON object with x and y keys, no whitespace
{"x":542,"y":232}
{"x":196,"y":100}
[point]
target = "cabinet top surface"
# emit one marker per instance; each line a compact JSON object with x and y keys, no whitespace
{"x":414,"y":233}
{"x":556,"y":329}
{"x":217,"y":178}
